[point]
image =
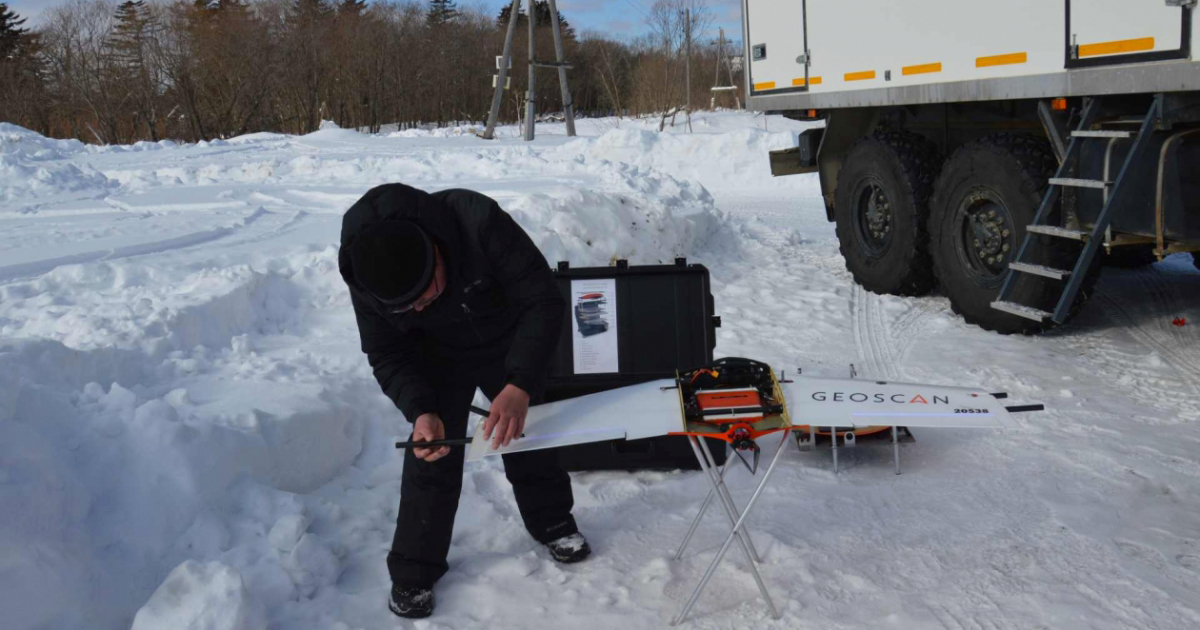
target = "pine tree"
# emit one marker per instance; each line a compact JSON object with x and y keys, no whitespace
{"x":309,"y":13}
{"x":212,"y":8}
{"x":128,"y":40}
{"x":502,"y":19}
{"x":352,"y":7}
{"x":441,"y":12}
{"x":541,"y":16}
{"x":129,"y":47}
{"x":11,"y":33}
{"x":23,"y":99}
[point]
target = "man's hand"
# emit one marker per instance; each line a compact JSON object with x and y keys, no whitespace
{"x":507,"y":417}
{"x":426,"y":429}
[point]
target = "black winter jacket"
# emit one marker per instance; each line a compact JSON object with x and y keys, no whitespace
{"x":500,"y":301}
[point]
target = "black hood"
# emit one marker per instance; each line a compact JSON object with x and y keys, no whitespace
{"x":394,"y":202}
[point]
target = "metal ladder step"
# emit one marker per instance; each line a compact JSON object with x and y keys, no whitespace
{"x":1039,"y":270}
{"x":1102,"y":134}
{"x":1079,"y":183}
{"x":1028,"y":312}
{"x":1052,"y":230}
{"x":1115,"y":198}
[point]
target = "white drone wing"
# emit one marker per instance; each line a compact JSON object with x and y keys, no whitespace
{"x":862,"y":403}
{"x":649,"y":410}
{"x":634,"y":412}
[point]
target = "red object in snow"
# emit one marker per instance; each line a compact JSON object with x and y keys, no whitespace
{"x":1179,"y":321}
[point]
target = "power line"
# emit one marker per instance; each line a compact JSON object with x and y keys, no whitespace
{"x":638,"y":8}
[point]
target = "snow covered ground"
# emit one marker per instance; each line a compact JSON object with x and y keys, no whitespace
{"x":188,"y":429}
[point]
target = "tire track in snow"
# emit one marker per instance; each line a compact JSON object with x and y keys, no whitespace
{"x":910,"y":327}
{"x":39,"y":267}
{"x":958,"y":619}
{"x":882,"y":342}
{"x":1154,"y":329}
{"x":1142,"y":305}
{"x":866,"y":330}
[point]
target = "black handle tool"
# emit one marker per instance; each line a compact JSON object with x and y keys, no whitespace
{"x":441,"y":443}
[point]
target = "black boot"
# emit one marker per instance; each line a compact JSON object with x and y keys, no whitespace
{"x":411,"y":602}
{"x":569,"y":549}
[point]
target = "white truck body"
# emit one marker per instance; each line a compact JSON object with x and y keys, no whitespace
{"x":865,"y":53}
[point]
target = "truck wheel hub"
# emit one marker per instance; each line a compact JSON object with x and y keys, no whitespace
{"x":986,"y":235}
{"x":875,"y":217}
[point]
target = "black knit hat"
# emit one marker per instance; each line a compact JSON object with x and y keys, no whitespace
{"x":394,"y":261}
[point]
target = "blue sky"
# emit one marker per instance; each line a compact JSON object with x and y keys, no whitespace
{"x":619,"y":17}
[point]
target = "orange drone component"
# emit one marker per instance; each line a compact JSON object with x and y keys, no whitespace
{"x":735,"y":432}
{"x":740,"y":414}
{"x":741,"y":404}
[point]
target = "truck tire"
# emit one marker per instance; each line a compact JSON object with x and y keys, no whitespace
{"x":880,"y":209}
{"x":988,"y":191}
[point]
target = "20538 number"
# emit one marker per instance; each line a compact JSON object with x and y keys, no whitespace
{"x":971,"y":411}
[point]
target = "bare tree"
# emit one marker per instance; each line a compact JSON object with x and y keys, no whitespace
{"x":673,"y":24}
{"x":198,"y":69}
{"x":606,"y":63}
{"x":75,"y":38}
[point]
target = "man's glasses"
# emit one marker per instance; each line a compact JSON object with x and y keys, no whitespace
{"x":425,"y":301}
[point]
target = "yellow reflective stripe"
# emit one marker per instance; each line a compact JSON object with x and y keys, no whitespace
{"x":924,"y":68}
{"x":1113,"y":48}
{"x":860,"y":76}
{"x":800,"y":82}
{"x":767,"y":85}
{"x":1001,"y":60}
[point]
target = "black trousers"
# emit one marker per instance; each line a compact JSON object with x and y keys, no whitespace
{"x":429,"y":491}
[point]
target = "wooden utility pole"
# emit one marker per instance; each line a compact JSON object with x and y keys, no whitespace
{"x":717,"y":88}
{"x":560,"y":56}
{"x":687,"y":64}
{"x":720,"y":54}
{"x":502,"y":78}
{"x":530,"y":104}
{"x":505,"y":61}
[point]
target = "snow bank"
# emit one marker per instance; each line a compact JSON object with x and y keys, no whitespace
{"x":19,"y":141}
{"x":23,"y":176}
{"x":733,"y":159}
{"x":179,"y":367}
{"x":196,"y":596}
{"x":456,"y":131}
{"x":30,"y":165}
{"x":103,"y":484}
{"x":591,"y":229}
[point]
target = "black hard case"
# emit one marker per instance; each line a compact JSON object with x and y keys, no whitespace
{"x":665,"y":323}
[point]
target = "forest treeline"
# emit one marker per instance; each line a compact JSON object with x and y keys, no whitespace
{"x":191,"y":70}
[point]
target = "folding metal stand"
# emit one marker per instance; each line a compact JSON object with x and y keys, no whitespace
{"x":811,"y":445}
{"x":737,"y":520}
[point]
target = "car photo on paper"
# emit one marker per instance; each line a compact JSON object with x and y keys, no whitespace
{"x":590,"y":314}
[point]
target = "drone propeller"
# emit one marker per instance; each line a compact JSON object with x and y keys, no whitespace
{"x":742,"y":442}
